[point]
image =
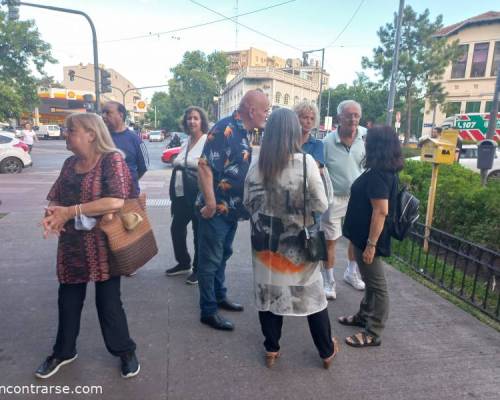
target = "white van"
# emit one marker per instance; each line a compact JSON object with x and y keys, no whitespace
{"x":49,"y":132}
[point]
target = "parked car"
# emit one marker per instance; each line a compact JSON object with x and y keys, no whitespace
{"x":145,"y":135}
{"x":14,"y":154}
{"x":49,"y":132}
{"x":468,"y":158}
{"x":169,"y":155}
{"x":156,"y":136}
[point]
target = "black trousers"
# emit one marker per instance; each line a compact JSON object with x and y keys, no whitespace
{"x":319,"y":325}
{"x":111,"y":315}
{"x":182,"y":214}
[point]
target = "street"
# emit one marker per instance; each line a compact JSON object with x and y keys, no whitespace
{"x":28,"y":190}
{"x":431,"y":350}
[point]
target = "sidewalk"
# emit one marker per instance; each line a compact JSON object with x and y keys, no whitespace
{"x":431,"y":349}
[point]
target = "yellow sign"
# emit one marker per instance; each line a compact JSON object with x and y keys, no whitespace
{"x":141,"y":105}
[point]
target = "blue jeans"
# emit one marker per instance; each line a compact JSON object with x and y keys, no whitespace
{"x":215,"y":246}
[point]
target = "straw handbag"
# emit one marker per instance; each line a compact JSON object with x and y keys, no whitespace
{"x":130,"y":237}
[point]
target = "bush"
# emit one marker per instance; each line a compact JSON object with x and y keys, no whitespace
{"x":463,"y":207}
{"x":409,"y":152}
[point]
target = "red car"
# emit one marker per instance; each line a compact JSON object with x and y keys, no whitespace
{"x":169,"y":155}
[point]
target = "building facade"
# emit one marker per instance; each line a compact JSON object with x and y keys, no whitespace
{"x":251,"y":57}
{"x":282,"y":87}
{"x":469,"y":82}
{"x":122,"y":90}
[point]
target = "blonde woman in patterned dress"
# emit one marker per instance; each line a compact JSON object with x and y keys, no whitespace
{"x":94,"y":181}
{"x":286,"y":283}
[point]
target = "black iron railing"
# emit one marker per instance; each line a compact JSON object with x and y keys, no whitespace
{"x":464,"y":269}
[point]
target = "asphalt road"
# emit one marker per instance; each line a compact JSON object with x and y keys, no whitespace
{"x":28,"y":189}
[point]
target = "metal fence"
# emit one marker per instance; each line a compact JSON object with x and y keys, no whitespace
{"x":462,"y":268}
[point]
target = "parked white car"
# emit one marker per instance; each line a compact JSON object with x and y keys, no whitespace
{"x":468,"y":158}
{"x":49,"y":132}
{"x":14,"y":154}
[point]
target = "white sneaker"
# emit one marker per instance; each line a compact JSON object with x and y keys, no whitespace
{"x":353,"y":277}
{"x":330,"y":288}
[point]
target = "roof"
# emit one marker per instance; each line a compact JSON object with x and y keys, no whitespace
{"x":487,"y":17}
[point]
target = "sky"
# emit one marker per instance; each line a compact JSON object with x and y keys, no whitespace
{"x":347,"y":29}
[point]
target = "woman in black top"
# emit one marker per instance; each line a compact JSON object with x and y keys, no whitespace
{"x":364,"y":226}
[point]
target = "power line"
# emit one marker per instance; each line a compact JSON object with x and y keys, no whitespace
{"x":248,"y":27}
{"x":347,"y":25}
{"x":158,"y":34}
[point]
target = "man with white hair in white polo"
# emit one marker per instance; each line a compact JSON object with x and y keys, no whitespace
{"x":344,"y":154}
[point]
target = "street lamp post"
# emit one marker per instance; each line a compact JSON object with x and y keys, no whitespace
{"x":94,"y":43}
{"x":321,"y":74}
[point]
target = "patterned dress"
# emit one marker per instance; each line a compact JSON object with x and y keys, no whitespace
{"x":82,"y":256}
{"x":285,"y":282}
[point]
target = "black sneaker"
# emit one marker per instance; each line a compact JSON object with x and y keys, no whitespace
{"x":51,"y":365}
{"x":192,"y":279}
{"x":130,"y":365}
{"x":178,"y":270}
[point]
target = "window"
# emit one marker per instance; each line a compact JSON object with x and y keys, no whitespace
{"x":5,"y":139}
{"x":472,"y":106}
{"x":479,"y":59}
{"x":458,"y":68}
{"x":496,"y":59}
{"x":487,"y":107}
{"x":287,"y":99}
{"x":278,"y":97}
{"x":452,"y":108}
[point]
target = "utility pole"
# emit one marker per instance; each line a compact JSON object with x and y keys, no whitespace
{"x":492,"y":124}
{"x":395,"y":63}
{"x":12,"y":3}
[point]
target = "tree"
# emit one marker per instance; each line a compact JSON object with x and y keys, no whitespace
{"x":165,"y":116}
{"x":197,"y":80}
{"x":371,"y":95}
{"x":21,"y":48}
{"x":422,"y":57}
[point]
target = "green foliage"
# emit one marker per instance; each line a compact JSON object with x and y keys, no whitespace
{"x":21,"y":48}
{"x":196,"y":81}
{"x":463,"y":206}
{"x":410,"y":152}
{"x":422,"y":56}
{"x":371,"y":95}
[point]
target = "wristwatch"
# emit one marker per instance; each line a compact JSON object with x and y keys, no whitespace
{"x":369,"y":243}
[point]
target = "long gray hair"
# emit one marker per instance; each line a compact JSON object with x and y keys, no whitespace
{"x":281,"y":140}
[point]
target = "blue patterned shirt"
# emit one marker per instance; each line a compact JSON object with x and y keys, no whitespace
{"x":228,"y":153}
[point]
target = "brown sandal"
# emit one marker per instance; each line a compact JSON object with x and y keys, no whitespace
{"x":271,"y":357}
{"x":336,"y":348}
{"x":361,"y":339}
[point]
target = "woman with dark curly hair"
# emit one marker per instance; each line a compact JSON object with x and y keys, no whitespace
{"x":364,"y":226}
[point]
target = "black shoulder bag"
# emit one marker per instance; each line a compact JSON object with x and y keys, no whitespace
{"x":312,"y":239}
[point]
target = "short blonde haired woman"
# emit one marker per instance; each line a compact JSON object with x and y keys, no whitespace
{"x":94,"y":181}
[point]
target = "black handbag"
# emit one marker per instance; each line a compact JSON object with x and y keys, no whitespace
{"x":312,"y":239}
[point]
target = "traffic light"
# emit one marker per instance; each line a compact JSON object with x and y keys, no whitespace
{"x":105,"y":81}
{"x":71,"y":75}
{"x":13,"y":7}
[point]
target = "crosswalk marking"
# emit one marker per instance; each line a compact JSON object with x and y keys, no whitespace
{"x":158,"y":202}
